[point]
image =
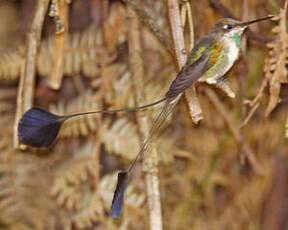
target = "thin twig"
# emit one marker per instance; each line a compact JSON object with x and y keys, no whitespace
{"x":98,"y":134}
{"x":259,"y":95}
{"x":147,"y":18}
{"x":193,"y":104}
{"x":190,"y":23}
{"x":212,"y":96}
{"x":59,"y":44}
{"x":250,"y":114}
{"x":186,"y":14}
{"x":254,"y":104}
{"x":27,"y":80}
{"x":177,"y":33}
{"x":151,"y":159}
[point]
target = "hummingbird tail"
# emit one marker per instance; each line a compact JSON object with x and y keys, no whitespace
{"x":120,"y":110}
{"x":118,"y":198}
{"x":39,"y":128}
{"x":167,"y":109}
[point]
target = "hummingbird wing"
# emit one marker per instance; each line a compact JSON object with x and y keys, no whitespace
{"x":202,"y":57}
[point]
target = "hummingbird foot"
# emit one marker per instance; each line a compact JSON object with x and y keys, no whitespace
{"x":223,"y":80}
{"x":220,"y":83}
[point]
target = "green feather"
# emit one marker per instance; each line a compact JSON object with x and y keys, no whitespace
{"x":237,"y":39}
{"x":197,"y":54}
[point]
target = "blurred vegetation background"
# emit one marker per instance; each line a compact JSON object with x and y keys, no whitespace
{"x":227,"y":172}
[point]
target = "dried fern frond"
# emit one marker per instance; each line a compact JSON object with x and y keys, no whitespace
{"x":24,"y":203}
{"x":69,"y":190}
{"x":275,"y":66}
{"x":83,"y":54}
{"x":92,"y":211}
{"x":68,"y":183}
{"x":115,"y":79}
{"x":80,"y":126}
{"x":6,"y":107}
{"x":5,"y":140}
{"x":11,"y":64}
{"x":90,"y":214}
{"x":121,"y":137}
{"x":115,"y":29}
{"x":121,"y":94}
{"x":84,"y":51}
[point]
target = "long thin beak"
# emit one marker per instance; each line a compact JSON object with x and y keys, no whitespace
{"x":254,"y":21}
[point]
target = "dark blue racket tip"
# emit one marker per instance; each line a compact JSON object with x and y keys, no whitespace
{"x":39,"y":128}
{"x":118,"y":198}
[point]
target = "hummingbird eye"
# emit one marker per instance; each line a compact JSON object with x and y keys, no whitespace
{"x":228,"y":27}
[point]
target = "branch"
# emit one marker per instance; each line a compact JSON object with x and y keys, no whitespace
{"x":212,"y":96}
{"x":27,"y":80}
{"x":150,"y":159}
{"x":60,"y":37}
{"x":147,"y":18}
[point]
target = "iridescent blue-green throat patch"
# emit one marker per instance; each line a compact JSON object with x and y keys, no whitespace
{"x":237,"y":39}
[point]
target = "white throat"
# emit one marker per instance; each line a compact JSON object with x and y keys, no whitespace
{"x":232,"y":49}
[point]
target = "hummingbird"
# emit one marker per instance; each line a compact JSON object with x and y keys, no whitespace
{"x":210,"y":59}
{"x":213,"y":55}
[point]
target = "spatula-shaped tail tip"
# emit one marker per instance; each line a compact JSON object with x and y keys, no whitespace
{"x":118,"y":199}
{"x":39,"y":128}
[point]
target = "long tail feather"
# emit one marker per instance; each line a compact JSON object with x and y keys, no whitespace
{"x":118,"y":199}
{"x":167,"y":109}
{"x":39,"y":128}
{"x":120,"y":110}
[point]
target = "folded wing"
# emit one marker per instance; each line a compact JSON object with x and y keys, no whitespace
{"x":204,"y":55}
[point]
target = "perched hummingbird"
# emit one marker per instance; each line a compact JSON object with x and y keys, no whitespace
{"x":210,"y":59}
{"x":213,"y":55}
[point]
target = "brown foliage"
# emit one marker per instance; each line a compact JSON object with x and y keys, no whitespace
{"x":212,"y":176}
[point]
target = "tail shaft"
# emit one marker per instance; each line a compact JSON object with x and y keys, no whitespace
{"x":118,"y":110}
{"x":167,"y":109}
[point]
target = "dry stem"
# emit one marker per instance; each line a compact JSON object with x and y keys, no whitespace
{"x":212,"y":96}
{"x":27,"y":80}
{"x":96,"y":154}
{"x":59,"y":43}
{"x":147,"y":18}
{"x":150,"y":159}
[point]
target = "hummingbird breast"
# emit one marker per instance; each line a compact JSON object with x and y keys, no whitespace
{"x":229,"y":54}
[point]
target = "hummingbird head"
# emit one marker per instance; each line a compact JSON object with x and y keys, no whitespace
{"x":230,"y":27}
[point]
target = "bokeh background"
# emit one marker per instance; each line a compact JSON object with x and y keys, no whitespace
{"x":229,"y":171}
